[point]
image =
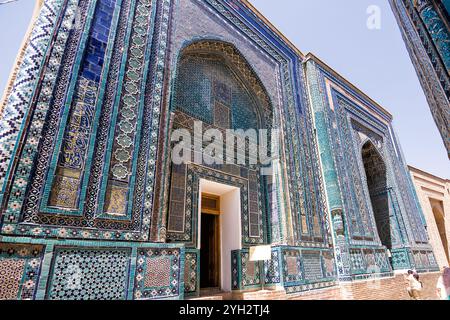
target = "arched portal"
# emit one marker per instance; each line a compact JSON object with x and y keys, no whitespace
{"x":375,"y":169}
{"x":216,"y":86}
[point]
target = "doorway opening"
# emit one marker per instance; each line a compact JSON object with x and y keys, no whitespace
{"x":219,"y":233}
{"x":210,"y":242}
{"x":375,"y":169}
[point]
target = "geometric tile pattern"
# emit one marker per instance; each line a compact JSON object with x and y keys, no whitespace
{"x":272,"y":272}
{"x":328,"y":264}
{"x":246,"y":274}
{"x":312,"y":266}
{"x":21,"y":93}
{"x":365,"y":260}
{"x":22,"y":208}
{"x":158,"y":273}
{"x":382,"y":261}
{"x":11,"y":272}
{"x":19,"y":271}
{"x":89,"y":274}
{"x":191,"y":272}
{"x":303,"y":269}
{"x":358,"y":262}
{"x":425,"y":32}
{"x":400,"y":259}
{"x":424,"y":259}
{"x":250,"y":271}
{"x":292,"y":266}
{"x":205,"y":84}
{"x":235,"y":270}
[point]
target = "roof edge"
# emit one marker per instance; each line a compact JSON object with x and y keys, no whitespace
{"x":312,"y":56}
{"x":269,"y":24}
{"x":415,"y":169}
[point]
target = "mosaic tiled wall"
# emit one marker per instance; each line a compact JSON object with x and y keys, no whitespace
{"x":89,"y":274}
{"x":366,"y":260}
{"x":307,"y":213}
{"x":422,"y":260}
{"x":307,"y":269}
{"x":425,"y":30}
{"x":206,"y":89}
{"x":80,"y":152}
{"x":245,"y":274}
{"x":91,"y":271}
{"x":20,"y":268}
{"x":89,"y":163}
{"x":294,"y":268}
{"x":159,"y":273}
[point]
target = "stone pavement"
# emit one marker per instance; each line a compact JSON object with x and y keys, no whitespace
{"x":393,"y":288}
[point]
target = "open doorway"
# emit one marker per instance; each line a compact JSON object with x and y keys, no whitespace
{"x":210,"y":242}
{"x":219,"y":233}
{"x":375,"y":169}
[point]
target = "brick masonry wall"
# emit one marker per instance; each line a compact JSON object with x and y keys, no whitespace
{"x":388,"y":289}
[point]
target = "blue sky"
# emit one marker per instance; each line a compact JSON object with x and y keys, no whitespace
{"x":376,"y":61}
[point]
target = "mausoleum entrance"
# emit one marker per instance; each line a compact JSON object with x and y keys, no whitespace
{"x":219,"y":232}
{"x":375,"y":169}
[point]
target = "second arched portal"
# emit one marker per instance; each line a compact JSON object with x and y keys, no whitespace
{"x":375,"y":169}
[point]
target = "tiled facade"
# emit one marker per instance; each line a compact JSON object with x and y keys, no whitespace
{"x":425,"y":27}
{"x":87,"y":180}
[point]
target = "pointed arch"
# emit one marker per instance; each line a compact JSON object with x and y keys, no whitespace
{"x":376,"y":178}
{"x":227,"y":54}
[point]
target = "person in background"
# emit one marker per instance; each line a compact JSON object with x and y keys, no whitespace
{"x":443,"y":284}
{"x":414,"y":286}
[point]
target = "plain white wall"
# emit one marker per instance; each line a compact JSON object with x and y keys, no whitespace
{"x":230,"y":207}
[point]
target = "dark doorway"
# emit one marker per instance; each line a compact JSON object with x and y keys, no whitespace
{"x":375,"y":169}
{"x":209,"y":252}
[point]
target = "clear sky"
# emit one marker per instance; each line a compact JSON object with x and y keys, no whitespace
{"x":376,"y":61}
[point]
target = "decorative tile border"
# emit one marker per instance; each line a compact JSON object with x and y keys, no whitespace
{"x":192,"y":272}
{"x":20,"y":267}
